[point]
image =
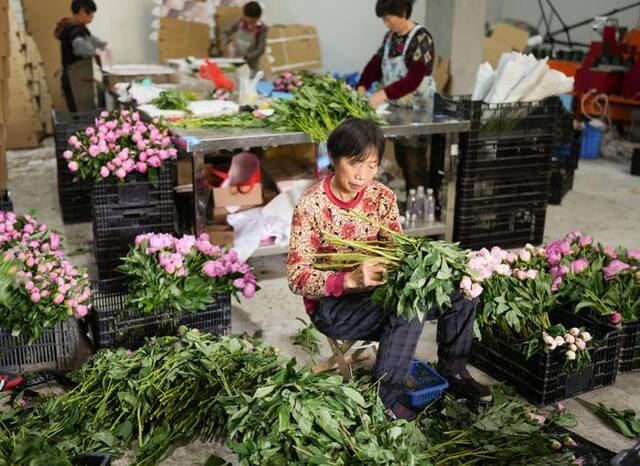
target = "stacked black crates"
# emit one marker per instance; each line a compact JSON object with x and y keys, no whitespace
{"x":122,"y":211}
{"x":5,"y":201}
{"x":74,"y":194}
{"x":541,"y":378}
{"x":116,"y":323}
{"x":565,"y":157}
{"x":503,"y":173}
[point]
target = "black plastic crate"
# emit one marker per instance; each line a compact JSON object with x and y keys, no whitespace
{"x":630,"y":347}
{"x":498,"y":153}
{"x":504,"y":120}
{"x":55,"y":350}
{"x":114,"y":323}
{"x":114,"y":235}
{"x":484,"y":191}
{"x":541,"y":379}
{"x":75,"y":204}
{"x":66,"y":124}
{"x":521,"y":169}
{"x":635,"y":162}
{"x":507,"y":226}
{"x":92,"y":459}
{"x":512,"y":120}
{"x":561,"y":182}
{"x":5,"y":201}
{"x":138,"y":191}
{"x":74,"y":195}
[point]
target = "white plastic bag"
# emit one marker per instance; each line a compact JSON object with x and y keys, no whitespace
{"x":484,"y":81}
{"x":514,"y":69}
{"x":553,"y":82}
{"x":528,"y":82}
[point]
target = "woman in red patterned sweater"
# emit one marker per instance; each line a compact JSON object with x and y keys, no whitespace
{"x":340,"y":303}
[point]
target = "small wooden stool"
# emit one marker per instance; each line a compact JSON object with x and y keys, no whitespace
{"x":342,"y":359}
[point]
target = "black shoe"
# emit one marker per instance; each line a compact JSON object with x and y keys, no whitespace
{"x":465,"y":386}
{"x":400,"y":411}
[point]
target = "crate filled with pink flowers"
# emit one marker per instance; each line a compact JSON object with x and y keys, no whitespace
{"x":130,"y":163}
{"x":169,"y":282}
{"x":41,"y":297}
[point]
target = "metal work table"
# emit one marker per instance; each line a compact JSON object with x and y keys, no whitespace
{"x":400,"y":123}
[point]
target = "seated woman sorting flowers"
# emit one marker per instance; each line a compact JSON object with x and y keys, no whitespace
{"x":340,"y":303}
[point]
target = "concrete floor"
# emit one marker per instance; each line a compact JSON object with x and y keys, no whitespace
{"x":604,"y":203}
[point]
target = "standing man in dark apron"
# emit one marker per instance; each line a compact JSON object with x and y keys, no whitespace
{"x":250,"y":39}
{"x":77,"y":43}
{"x":403,"y":66}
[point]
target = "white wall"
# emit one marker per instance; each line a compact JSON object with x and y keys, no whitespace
{"x":349,"y":30}
{"x":571,"y":11}
{"x":126,"y":25}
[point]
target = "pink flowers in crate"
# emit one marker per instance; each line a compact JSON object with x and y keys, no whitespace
{"x":119,"y":144}
{"x":579,"y":265}
{"x":614,"y":268}
{"x":485,"y":264}
{"x":177,"y":257}
{"x":52,"y":288}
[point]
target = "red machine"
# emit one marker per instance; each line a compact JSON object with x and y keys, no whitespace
{"x":612,"y":66}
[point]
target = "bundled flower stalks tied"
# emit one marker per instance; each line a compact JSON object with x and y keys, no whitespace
{"x":420,"y":272}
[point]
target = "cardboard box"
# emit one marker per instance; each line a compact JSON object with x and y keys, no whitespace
{"x":185,"y":171}
{"x":248,"y":196}
{"x":441,"y":73}
{"x":179,"y":39}
{"x":224,"y":17}
{"x":291,"y":47}
{"x":511,"y":35}
{"x":220,"y":234}
{"x":504,"y":38}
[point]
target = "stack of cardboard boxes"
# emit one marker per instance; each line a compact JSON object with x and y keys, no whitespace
{"x":292,"y":47}
{"x":179,"y":39}
{"x":4,"y":88}
{"x":30,"y":104}
{"x":40,"y":23}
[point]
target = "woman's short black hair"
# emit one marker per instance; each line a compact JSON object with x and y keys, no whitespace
{"x":89,"y":6}
{"x":402,"y":8}
{"x":355,"y":138}
{"x":252,"y":10}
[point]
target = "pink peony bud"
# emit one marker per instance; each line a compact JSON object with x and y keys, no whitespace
{"x":58,"y":298}
{"x":476,"y":290}
{"x":121,"y":173}
{"x":579,"y":265}
{"x":73,"y":166}
{"x":465,"y":283}
{"x":610,"y":251}
{"x":94,"y":150}
{"x":249,"y":290}
{"x":615,"y":318}
{"x":585,"y":240}
{"x":104,"y":172}
{"x":35,"y":297}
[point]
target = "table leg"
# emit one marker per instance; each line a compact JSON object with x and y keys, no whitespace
{"x":450,"y":177}
{"x":200,"y":193}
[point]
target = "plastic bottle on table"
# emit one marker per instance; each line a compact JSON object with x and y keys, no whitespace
{"x":421,"y":203}
{"x":430,"y":206}
{"x":412,"y":204}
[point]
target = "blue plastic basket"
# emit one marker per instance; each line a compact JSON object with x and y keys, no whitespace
{"x":590,"y":145}
{"x":433,"y":384}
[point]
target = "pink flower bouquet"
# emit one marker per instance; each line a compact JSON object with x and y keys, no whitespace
{"x":48,"y":289}
{"x":183,"y":273}
{"x":118,"y":146}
